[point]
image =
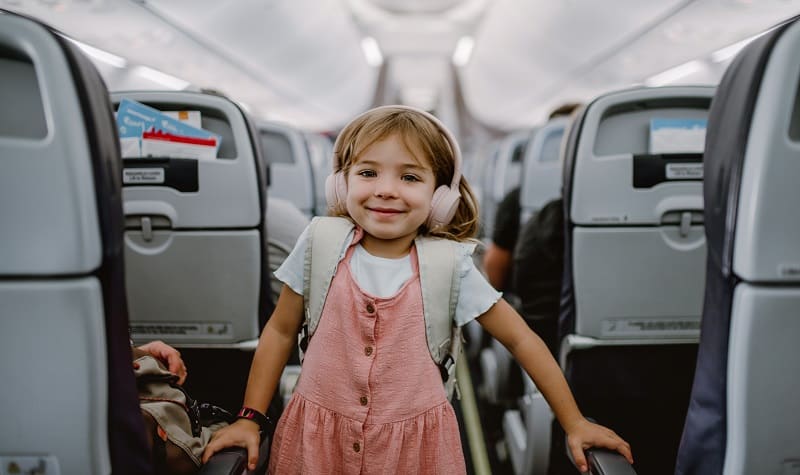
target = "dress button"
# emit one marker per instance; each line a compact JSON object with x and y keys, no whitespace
{"x":368,"y":350}
{"x":370,"y":308}
{"x":364,"y":400}
{"x":356,"y":447}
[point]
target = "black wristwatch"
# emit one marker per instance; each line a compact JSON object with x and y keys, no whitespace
{"x":252,"y":415}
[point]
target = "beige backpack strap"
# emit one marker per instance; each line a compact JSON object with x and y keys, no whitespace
{"x":326,"y":237}
{"x":438,"y":274}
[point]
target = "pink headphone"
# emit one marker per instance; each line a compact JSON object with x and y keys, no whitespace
{"x":445,"y":199}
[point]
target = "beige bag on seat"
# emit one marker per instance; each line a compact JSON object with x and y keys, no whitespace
{"x":175,"y":422}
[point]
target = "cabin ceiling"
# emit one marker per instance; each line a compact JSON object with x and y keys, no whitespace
{"x":312,"y":63}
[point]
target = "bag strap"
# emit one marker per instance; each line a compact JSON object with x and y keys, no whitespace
{"x":326,"y":237}
{"x":438,"y":276}
{"x":438,"y":271}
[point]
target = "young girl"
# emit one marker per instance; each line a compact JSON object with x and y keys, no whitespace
{"x":370,"y":397}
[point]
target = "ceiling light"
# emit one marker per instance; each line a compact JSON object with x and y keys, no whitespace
{"x":463,"y":50}
{"x":371,"y":51}
{"x":164,"y":79}
{"x":673,"y":74}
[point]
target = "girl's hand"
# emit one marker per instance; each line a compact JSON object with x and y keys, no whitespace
{"x":585,"y":434}
{"x":242,"y":433}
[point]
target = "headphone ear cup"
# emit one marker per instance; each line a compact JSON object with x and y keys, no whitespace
{"x":336,"y":191}
{"x":443,"y":206}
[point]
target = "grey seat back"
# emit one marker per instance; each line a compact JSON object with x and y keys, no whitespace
{"x":291,"y":173}
{"x":501,"y":174}
{"x":320,"y":152}
{"x":65,"y":359}
{"x":744,"y":410}
{"x":285,"y":224}
{"x":633,"y":268}
{"x":509,"y":164}
{"x":195,"y":243}
{"x":635,"y":218}
{"x":483,"y":175}
{"x":541,"y":173}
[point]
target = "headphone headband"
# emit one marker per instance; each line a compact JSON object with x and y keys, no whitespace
{"x":451,"y":140}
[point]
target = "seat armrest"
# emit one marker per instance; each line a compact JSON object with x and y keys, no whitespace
{"x":233,"y":461}
{"x":227,"y":462}
{"x":607,"y":462}
{"x":603,"y":461}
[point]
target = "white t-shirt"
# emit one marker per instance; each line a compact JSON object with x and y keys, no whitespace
{"x":383,"y":277}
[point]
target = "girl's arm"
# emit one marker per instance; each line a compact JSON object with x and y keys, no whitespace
{"x":508,"y":327}
{"x":274,"y":348}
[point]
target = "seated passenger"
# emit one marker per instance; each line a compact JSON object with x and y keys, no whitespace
{"x":498,"y":259}
{"x":537,"y":270}
{"x":498,"y":256}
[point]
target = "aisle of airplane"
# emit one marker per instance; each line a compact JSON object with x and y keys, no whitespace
{"x":659,"y":213}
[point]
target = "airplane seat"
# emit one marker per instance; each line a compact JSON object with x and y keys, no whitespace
{"x":541,"y":182}
{"x":541,"y":174}
{"x":744,"y":412}
{"x":508,"y":167}
{"x":633,"y":271}
{"x":541,"y":158}
{"x":488,"y":200}
{"x":196,"y":251}
{"x":196,"y":247}
{"x":320,"y":153}
{"x":527,"y":428}
{"x":285,"y":224}
{"x":292,"y":174}
{"x":495,"y":360}
{"x":495,"y":365}
{"x":474,"y":169}
{"x":195,"y":239}
{"x":500,"y":174}
{"x":69,"y":401}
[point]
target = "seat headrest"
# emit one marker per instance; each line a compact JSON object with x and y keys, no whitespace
{"x":47,"y":174}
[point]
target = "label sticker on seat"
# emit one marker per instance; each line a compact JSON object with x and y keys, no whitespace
{"x":789,"y":270}
{"x":684,"y":171}
{"x":656,"y":327}
{"x":181,"y":330}
{"x":142,"y":175}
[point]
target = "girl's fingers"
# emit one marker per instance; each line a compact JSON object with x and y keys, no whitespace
{"x":615,"y":442}
{"x":578,"y":457}
{"x":252,"y":453}
{"x":625,"y":449}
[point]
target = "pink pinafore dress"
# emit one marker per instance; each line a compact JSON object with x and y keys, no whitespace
{"x":370,"y":398}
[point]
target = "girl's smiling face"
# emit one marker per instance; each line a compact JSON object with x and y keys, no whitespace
{"x":389,"y":193}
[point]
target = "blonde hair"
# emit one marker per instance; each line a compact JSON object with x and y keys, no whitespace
{"x":417,"y":132}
